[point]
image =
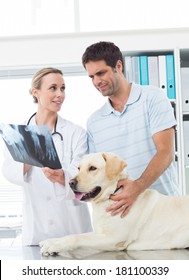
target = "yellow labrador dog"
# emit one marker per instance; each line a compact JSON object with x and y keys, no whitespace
{"x":155,"y":221}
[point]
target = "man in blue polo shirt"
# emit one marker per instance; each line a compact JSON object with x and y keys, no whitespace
{"x":137,"y":123}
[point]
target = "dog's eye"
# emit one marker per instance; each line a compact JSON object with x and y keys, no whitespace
{"x":78,"y":168}
{"x":92,"y":168}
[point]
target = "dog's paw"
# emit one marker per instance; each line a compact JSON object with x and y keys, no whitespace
{"x":50,"y":247}
{"x":57,"y":246}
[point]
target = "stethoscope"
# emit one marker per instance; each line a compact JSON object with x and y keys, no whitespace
{"x":54,"y":133}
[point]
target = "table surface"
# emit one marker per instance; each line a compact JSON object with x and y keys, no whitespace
{"x":33,"y":253}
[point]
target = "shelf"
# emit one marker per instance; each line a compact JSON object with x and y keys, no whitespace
{"x":181,"y":60}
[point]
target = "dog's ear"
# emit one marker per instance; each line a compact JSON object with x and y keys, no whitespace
{"x":114,"y":165}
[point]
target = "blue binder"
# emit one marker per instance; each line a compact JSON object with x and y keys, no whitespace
{"x":170,"y":72}
{"x":144,"y":78}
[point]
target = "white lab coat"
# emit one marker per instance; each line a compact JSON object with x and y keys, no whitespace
{"x":50,"y":210}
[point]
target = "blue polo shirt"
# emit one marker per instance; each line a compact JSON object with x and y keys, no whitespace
{"x":129,"y":133}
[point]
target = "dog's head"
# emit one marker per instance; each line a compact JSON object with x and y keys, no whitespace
{"x":98,"y":176}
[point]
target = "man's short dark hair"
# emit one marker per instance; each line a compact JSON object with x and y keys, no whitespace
{"x":106,"y":51}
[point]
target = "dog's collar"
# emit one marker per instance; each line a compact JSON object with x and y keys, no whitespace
{"x":118,"y":189}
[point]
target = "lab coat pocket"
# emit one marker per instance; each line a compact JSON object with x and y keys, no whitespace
{"x":79,"y":217}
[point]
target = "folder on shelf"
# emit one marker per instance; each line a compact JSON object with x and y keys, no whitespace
{"x":153,"y":71}
{"x":170,"y":70}
{"x":173,"y":104}
{"x":144,"y":78}
{"x":162,"y":73}
{"x":185,"y":88}
{"x":136,"y":69}
{"x":186,"y":139}
{"x":128,"y":68}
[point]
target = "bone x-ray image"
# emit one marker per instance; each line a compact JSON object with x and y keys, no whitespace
{"x":31,"y":144}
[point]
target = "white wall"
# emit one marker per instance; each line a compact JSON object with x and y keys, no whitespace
{"x":68,"y":48}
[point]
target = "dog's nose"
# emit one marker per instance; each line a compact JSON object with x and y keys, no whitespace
{"x":73,"y":183}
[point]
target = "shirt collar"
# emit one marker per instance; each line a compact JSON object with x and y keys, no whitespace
{"x":60,"y":122}
{"x":135,"y":93}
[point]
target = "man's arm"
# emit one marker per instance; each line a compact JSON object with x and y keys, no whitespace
{"x":164,"y":142}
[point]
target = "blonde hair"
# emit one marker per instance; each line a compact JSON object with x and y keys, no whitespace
{"x":38,"y":76}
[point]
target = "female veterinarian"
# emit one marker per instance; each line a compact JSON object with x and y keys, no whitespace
{"x":49,"y":208}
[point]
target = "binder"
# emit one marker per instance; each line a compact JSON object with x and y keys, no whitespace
{"x":170,"y":70}
{"x":186,"y":139}
{"x":135,"y":69}
{"x":162,"y":73}
{"x":153,"y":70}
{"x":144,"y":78}
{"x":128,"y":69}
{"x":185,"y":88}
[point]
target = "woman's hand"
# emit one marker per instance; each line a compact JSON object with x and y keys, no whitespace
{"x":26,"y":168}
{"x":55,"y":176}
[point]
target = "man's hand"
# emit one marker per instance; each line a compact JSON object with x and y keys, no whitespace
{"x":55,"y":176}
{"x":124,"y":200}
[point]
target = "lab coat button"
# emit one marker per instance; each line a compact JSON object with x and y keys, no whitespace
{"x":48,"y":198}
